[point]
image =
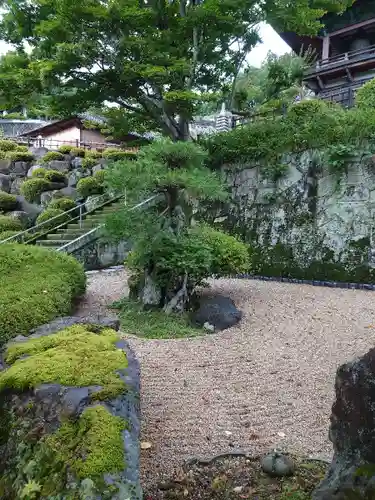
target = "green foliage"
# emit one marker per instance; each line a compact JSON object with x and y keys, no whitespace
{"x":50,"y":217}
{"x":31,"y":189}
{"x":37,"y":286}
{"x":89,"y":162}
{"x":19,"y":156}
{"x":78,"y":152}
{"x":55,"y":176}
{"x":157,"y":78}
{"x":365,"y":96}
{"x":153,"y":324}
{"x":52,"y":156}
{"x":22,"y":148}
{"x":4,"y":235}
{"x":8,"y":223}
{"x":100,"y":176}
{"x":113,"y":154}
{"x":339,"y":156}
{"x":58,"y":358}
{"x":89,"y":186}
{"x":63,"y":204}
{"x":92,"y":153}
{"x":7,"y":145}
{"x":65,"y":149}
{"x":39,"y":172}
{"x":8,"y":202}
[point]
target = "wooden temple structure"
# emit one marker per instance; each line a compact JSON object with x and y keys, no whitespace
{"x":345,"y":53}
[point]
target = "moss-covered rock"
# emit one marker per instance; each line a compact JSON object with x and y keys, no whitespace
{"x":57,"y":440}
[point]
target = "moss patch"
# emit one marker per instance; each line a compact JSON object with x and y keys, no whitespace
{"x":75,"y":356}
{"x":92,"y":446}
{"x":153,"y":324}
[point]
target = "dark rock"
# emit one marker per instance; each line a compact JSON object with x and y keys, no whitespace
{"x":47,"y":391}
{"x":278,"y":465}
{"x":16,"y":185}
{"x":76,"y":162}
{"x":218,"y":311}
{"x":20,"y":168}
{"x":96,"y":168}
{"x":60,"y":323}
{"x":5,"y":183}
{"x":38,"y":152}
{"x":5,"y":166}
{"x":352,"y":433}
{"x":22,"y":216}
{"x":60,"y":165}
{"x":69,"y":192}
{"x":74,"y":401}
{"x":32,"y":210}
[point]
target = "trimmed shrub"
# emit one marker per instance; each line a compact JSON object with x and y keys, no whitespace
{"x":7,"y":145}
{"x":99,"y":176}
{"x":51,"y":213}
{"x":7,"y":234}
{"x":63,"y":204}
{"x":89,"y":162}
{"x":113,"y":154}
{"x":33,"y":188}
{"x":39,"y":172}
{"x":9,"y":224}
{"x":89,"y":186}
{"x":52,"y":156}
{"x":22,"y":148}
{"x":8,"y":202}
{"x":55,"y":176}
{"x":65,"y":149}
{"x":19,"y":156}
{"x":37,"y":286}
{"x":92,"y":153}
{"x":80,"y":152}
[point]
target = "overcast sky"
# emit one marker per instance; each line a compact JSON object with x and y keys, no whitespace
{"x":271,"y":41}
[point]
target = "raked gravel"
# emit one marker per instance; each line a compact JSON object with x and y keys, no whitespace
{"x":268,"y":382}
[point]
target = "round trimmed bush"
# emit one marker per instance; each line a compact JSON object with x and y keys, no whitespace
{"x":22,"y":148}
{"x":63,"y":204}
{"x":7,"y":145}
{"x":8,"y":223}
{"x":52,"y":213}
{"x":80,"y":152}
{"x":89,"y":186}
{"x":8,"y":202}
{"x":99,"y":176}
{"x":37,"y":286}
{"x":92,"y":153}
{"x":52,"y":156}
{"x":365,"y":96}
{"x":113,"y":154}
{"x":89,"y":162}
{"x":39,"y":172}
{"x":55,"y":176}
{"x":33,"y":188}
{"x":19,"y":156}
{"x":65,"y":149}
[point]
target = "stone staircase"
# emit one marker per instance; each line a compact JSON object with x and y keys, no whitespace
{"x":57,"y":238}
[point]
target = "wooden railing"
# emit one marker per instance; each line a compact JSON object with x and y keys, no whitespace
{"x":346,"y":57}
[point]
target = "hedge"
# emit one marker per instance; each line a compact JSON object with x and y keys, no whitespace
{"x":63,"y":204}
{"x":19,"y":156}
{"x":8,"y":202}
{"x":38,"y":285}
{"x":52,"y":156}
{"x":8,"y":223}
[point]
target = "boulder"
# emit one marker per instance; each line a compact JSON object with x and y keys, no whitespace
{"x":60,"y":165}
{"x":5,"y":166}
{"x":95,"y":201}
{"x":60,"y":323}
{"x":5,"y":183}
{"x":46,"y":197}
{"x":20,"y":168}
{"x":76,"y":162}
{"x":218,"y":311}
{"x":74,"y":177}
{"x":69,"y":192}
{"x":32,"y":210}
{"x":38,"y":152}
{"x":22,"y":216}
{"x":32,"y":168}
{"x":278,"y":465}
{"x":16,"y":185}
{"x":96,"y":168}
{"x":352,"y":432}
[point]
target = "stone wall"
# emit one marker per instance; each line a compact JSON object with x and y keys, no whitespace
{"x":311,"y":213}
{"x":100,"y":254}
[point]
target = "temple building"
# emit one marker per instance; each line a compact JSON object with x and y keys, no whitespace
{"x":345,"y":53}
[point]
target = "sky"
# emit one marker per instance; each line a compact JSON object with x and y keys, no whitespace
{"x":271,"y":41}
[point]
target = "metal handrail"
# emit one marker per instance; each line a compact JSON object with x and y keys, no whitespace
{"x":74,"y":209}
{"x":92,"y":231}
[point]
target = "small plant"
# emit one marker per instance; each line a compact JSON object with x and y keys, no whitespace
{"x":89,"y":186}
{"x":80,"y":152}
{"x":92,"y":153}
{"x":339,"y":156}
{"x":19,"y":156}
{"x":7,"y":234}
{"x":65,"y":149}
{"x":8,"y":202}
{"x":113,"y":154}
{"x":52,"y":156}
{"x":99,"y":176}
{"x":63,"y":204}
{"x":9,"y":224}
{"x":7,"y":145}
{"x":55,"y":176}
{"x":33,"y":188}
{"x":39,"y":172}
{"x":89,"y":162}
{"x":52,"y":219}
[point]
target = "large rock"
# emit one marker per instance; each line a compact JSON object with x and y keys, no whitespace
{"x":69,"y":192}
{"x":60,"y":165}
{"x":74,"y":177}
{"x":38,"y":152}
{"x":5,"y":166}
{"x":76,"y":162}
{"x":32,"y":210}
{"x":218,"y":311}
{"x":5,"y":183}
{"x":46,"y":197}
{"x":20,"y":168}
{"x":95,"y":201}
{"x":352,"y":432}
{"x":32,"y":168}
{"x":96,"y":168}
{"x":16,"y":185}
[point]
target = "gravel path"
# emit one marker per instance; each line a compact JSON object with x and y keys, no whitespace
{"x":267,"y":382}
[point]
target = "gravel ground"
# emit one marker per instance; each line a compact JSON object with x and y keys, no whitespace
{"x":267,"y":382}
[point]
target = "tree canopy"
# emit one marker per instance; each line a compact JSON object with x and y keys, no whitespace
{"x":155,"y":59}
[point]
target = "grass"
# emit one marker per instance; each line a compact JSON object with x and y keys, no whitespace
{"x":153,"y":324}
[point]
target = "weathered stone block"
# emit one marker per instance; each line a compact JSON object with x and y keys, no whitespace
{"x":60,"y":165}
{"x":5,"y":166}
{"x":5,"y":183}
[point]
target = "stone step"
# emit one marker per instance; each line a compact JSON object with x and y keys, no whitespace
{"x":52,"y":243}
{"x":64,"y":236}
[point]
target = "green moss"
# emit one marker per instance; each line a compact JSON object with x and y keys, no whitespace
{"x":93,"y":446}
{"x":75,"y":356}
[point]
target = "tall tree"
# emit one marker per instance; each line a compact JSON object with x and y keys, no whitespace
{"x":156,"y":59}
